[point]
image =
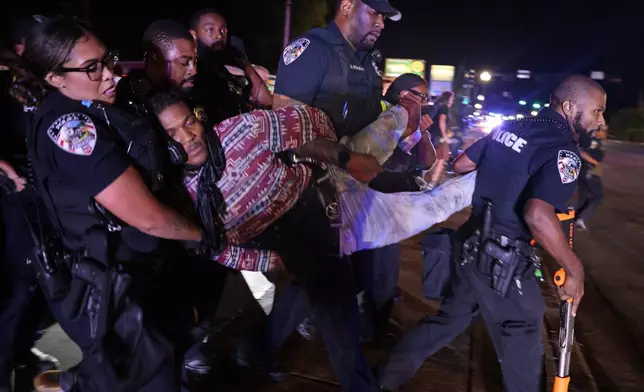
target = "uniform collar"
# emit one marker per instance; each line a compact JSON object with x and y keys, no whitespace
{"x":551,"y":114}
{"x":335,"y":36}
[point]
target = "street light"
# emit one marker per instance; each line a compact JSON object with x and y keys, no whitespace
{"x":481,"y":97}
{"x":485,"y":76}
{"x":522,"y":103}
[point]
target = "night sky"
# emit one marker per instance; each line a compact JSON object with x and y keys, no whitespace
{"x":542,"y":36}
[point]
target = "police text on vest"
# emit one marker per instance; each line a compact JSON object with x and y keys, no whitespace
{"x":509,"y":139}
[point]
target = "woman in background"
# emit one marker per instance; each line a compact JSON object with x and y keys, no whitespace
{"x":438,"y":132}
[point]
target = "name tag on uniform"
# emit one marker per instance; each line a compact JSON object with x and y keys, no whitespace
{"x":356,"y":67}
{"x":509,"y":139}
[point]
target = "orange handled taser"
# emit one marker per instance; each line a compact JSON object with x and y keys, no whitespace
{"x":566,"y":338}
{"x":566,"y":319}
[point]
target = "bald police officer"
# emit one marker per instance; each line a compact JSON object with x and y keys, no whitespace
{"x":527,"y":171}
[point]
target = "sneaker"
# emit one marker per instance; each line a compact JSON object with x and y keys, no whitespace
{"x":581,"y":225}
{"x":306,"y":329}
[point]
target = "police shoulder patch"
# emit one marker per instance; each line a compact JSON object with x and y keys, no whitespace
{"x":295,"y":50}
{"x":74,"y":133}
{"x":569,"y":165}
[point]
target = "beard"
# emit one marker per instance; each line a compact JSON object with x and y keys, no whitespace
{"x":579,"y":129}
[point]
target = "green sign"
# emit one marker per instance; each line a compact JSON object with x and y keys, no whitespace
{"x":397,"y":67}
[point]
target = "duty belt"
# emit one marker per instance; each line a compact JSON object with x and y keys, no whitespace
{"x":328,"y":195}
{"x":505,"y":260}
{"x":323,"y":184}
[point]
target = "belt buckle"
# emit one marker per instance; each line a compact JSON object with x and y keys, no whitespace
{"x":332,"y":211}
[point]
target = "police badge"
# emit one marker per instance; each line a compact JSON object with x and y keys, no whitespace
{"x":200,"y":113}
{"x":295,"y":50}
{"x":569,"y":166}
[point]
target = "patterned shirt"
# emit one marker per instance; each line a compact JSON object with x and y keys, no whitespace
{"x":257,"y":186}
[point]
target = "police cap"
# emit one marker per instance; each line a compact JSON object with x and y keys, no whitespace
{"x":383,"y":6}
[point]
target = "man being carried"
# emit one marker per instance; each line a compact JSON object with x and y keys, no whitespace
{"x":259,"y":188}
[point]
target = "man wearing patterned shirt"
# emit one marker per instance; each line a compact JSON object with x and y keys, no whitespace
{"x":273,"y":208}
{"x":259,"y":188}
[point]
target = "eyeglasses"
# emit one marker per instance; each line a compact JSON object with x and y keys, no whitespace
{"x":424,"y":98}
{"x":94,"y":70}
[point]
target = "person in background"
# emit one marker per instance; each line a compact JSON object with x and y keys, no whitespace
{"x":215,"y":85}
{"x":23,"y":308}
{"x":440,"y":137}
{"x":591,"y":190}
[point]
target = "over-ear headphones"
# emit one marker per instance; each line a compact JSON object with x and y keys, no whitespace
{"x":178,"y":154}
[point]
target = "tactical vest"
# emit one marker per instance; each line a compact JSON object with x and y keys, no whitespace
{"x":351,"y":91}
{"x":130,"y":132}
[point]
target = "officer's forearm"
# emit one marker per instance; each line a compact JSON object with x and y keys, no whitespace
{"x":168,"y":224}
{"x":282,"y":101}
{"x":546,"y":230}
{"x":143,"y":211}
{"x":322,"y":150}
{"x":463,"y":164}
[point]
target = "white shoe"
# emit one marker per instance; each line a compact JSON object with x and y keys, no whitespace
{"x":581,"y":225}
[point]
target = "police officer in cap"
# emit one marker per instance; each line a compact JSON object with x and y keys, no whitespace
{"x":527,"y":171}
{"x":336,"y":69}
{"x":22,"y":306}
{"x":98,"y":171}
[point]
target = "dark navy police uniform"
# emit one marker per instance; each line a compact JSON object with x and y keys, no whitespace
{"x":535,"y":158}
{"x":321,"y":69}
{"x":77,"y":150}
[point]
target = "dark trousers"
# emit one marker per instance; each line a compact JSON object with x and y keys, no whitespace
{"x":377,"y":273}
{"x":591,"y":194}
{"x":514,"y":324}
{"x":22,"y":306}
{"x":150,"y":365}
{"x":324,"y":285}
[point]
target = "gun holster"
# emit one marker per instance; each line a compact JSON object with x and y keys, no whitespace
{"x":52,"y":267}
{"x":91,"y":286}
{"x":505,"y":260}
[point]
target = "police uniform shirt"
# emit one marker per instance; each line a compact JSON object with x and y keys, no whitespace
{"x":77,"y":157}
{"x":321,"y":69}
{"x":533,"y":158}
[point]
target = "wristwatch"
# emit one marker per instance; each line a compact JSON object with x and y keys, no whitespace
{"x":344,"y":157}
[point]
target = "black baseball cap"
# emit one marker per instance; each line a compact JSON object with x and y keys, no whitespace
{"x":384,"y":7}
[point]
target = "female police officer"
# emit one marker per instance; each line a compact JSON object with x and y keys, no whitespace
{"x":97,"y":170}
